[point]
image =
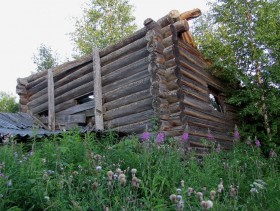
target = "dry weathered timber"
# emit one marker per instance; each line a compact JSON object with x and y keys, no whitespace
{"x":187,"y":53}
{"x":23,"y":101}
{"x":36,"y":82}
{"x":127,"y":49}
{"x":189,"y":73}
{"x":193,"y":103}
{"x":194,"y":84}
{"x":169,"y":18}
{"x":98,"y":109}
{"x":173,"y":85}
{"x":194,"y":93}
{"x":166,"y":31}
{"x":65,"y":105}
{"x":154,"y":34}
{"x":35,"y":76}
{"x":135,"y":128}
{"x":175,"y":62}
{"x":124,"y":61}
{"x":136,"y":107}
{"x":63,"y":120}
{"x":131,"y":69}
{"x":22,"y":81}
{"x":171,"y":52}
{"x":51,"y":104}
{"x":123,"y":42}
{"x":181,"y":26}
{"x":172,"y":73}
{"x":77,"y":108}
{"x":191,"y":14}
{"x":127,"y":89}
{"x":170,"y":40}
{"x":62,"y":89}
{"x":171,"y":96}
{"x":130,"y":119}
{"x":23,"y":108}
{"x":154,"y":46}
{"x":156,"y":58}
{"x":71,"y":94}
{"x":21,"y":90}
{"x":174,"y":107}
{"x":126,"y":80}
{"x":127,"y":99}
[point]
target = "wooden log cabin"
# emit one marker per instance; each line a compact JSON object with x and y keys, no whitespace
{"x":155,"y":74}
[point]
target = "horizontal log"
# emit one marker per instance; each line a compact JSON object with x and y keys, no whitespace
{"x":181,"y":26}
{"x":164,"y":125}
{"x":65,"y":105}
{"x":173,"y":85}
{"x":124,"y":61}
{"x":172,"y":73}
{"x":187,"y":81}
{"x":136,"y":107}
{"x":23,"y":101}
{"x":125,"y":50}
{"x":193,"y":103}
{"x":63,"y":120}
{"x":127,"y":89}
{"x":127,"y":99}
{"x":22,"y":81}
{"x":187,"y":53}
{"x":36,"y":82}
{"x":135,"y":128}
{"x":173,"y":133}
{"x":169,"y":18}
{"x":170,"y":52}
{"x":192,"y":74}
{"x":172,"y":63}
{"x":77,"y":108}
{"x":171,"y":96}
{"x":194,"y":93}
{"x":130,"y":119}
{"x":154,"y":35}
{"x":175,"y":107}
{"x":21,"y":90}
{"x":156,"y":58}
{"x":170,"y":40}
{"x":123,"y":42}
{"x":155,"y":46}
{"x":191,"y":14}
{"x":126,"y":80}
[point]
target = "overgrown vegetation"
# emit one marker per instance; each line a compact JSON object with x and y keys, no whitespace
{"x":241,"y":38}
{"x":89,"y":173}
{"x":8,"y":102}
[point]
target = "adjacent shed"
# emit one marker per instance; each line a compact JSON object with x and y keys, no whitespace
{"x":155,"y":75}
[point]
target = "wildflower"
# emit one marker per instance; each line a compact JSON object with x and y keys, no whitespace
{"x":133,"y":172}
{"x":258,"y":185}
{"x":272,"y":154}
{"x":30,"y":153}
{"x":236,"y":135}
{"x":159,"y":138}
{"x":233,"y":191}
{"x":98,"y":168}
{"x":94,"y":186}
{"x":182,"y":183}
{"x":212,"y":194}
{"x":47,"y":198}
{"x":190,"y":191}
{"x":248,"y":141}
{"x":2,"y":175}
{"x":220,"y":186}
{"x":179,"y":190}
{"x":97,"y":157}
{"x":118,"y":171}
{"x":210,"y":137}
{"x":173,"y":197}
{"x":75,"y":173}
{"x":254,"y":190}
{"x":110,"y":175}
{"x":44,"y":160}
{"x":123,"y":181}
{"x":218,"y":149}
{"x":207,"y":204}
{"x":257,"y":142}
{"x":15,"y":154}
{"x":2,"y":165}
{"x":261,"y":182}
{"x":200,"y":196}
{"x":185,"y":137}
{"x":10,"y":183}
{"x":115,"y":176}
{"x":145,"y":136}
{"x":50,"y":172}
{"x":179,"y":197}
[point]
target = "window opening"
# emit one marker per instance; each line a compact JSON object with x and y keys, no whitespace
{"x":214,"y":102}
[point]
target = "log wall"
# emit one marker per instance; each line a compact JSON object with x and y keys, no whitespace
{"x":155,"y":73}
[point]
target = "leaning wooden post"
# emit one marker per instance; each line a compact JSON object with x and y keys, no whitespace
{"x":51,"y":111}
{"x":98,"y":112}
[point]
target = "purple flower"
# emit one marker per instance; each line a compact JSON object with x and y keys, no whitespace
{"x":210,"y":137}
{"x":159,"y":138}
{"x":185,"y":137}
{"x":145,"y":136}
{"x":258,"y":143}
{"x":236,"y":135}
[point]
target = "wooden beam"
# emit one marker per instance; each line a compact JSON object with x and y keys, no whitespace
{"x":98,"y":111}
{"x":51,"y":110}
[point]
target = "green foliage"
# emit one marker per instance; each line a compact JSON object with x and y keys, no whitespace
{"x":104,"y":22}
{"x":45,"y":58}
{"x":71,"y":172}
{"x":8,"y":103}
{"x":241,"y":38}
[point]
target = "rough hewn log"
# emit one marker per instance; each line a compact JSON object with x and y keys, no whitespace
{"x":194,"y":93}
{"x":77,"y":108}
{"x":189,"y":73}
{"x":22,"y":81}
{"x":127,"y":49}
{"x":198,"y":105}
{"x":63,"y":120}
{"x":51,"y":103}
{"x":65,"y":105}
{"x":172,"y":73}
{"x":136,"y":128}
{"x":170,"y":40}
{"x":36,"y":82}
{"x":174,"y":107}
{"x":130,"y":119}
{"x":172,"y":63}
{"x":127,"y":89}
{"x":127,"y":99}
{"x":21,"y":90}
{"x":136,"y":107}
{"x":154,"y":46}
{"x":125,"y":41}
{"x":191,"y":14}
{"x":156,"y":58}
{"x":170,"y":52}
{"x":190,"y":54}
{"x":181,"y":26}
{"x":194,"y":84}
{"x":23,"y":101}
{"x":126,"y":60}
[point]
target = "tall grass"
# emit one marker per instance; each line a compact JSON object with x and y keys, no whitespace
{"x":74,"y":172}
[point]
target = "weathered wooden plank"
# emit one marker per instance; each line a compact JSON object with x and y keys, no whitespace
{"x":191,"y":14}
{"x":186,"y":52}
{"x":51,"y":103}
{"x":124,"y":61}
{"x":170,"y":40}
{"x":192,"y":74}
{"x":131,"y":69}
{"x":130,"y":119}
{"x":77,"y":108}
{"x":128,"y":89}
{"x":67,"y":119}
{"x":170,"y":52}
{"x":98,"y":109}
{"x":127,"y":99}
{"x":125,"y":41}
{"x":181,"y":26}
{"x":193,"y":103}
{"x":136,"y":107}
{"x":136,"y":128}
{"x":65,"y":105}
{"x":172,"y":73}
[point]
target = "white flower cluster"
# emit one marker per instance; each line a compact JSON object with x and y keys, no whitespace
{"x":257,"y":186}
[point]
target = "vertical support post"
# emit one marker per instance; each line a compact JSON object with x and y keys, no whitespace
{"x":51,"y":103}
{"x":98,"y":111}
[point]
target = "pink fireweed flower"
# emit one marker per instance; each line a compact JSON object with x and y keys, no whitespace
{"x":145,"y":136}
{"x":257,"y":142}
{"x":159,"y":138}
{"x":210,"y":137}
{"x":236,"y":135}
{"x":185,"y":137}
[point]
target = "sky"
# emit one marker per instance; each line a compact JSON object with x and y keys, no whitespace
{"x":25,"y":24}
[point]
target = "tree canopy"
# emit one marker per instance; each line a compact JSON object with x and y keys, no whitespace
{"x":103,"y":23}
{"x":241,"y":38}
{"x":8,"y":103}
